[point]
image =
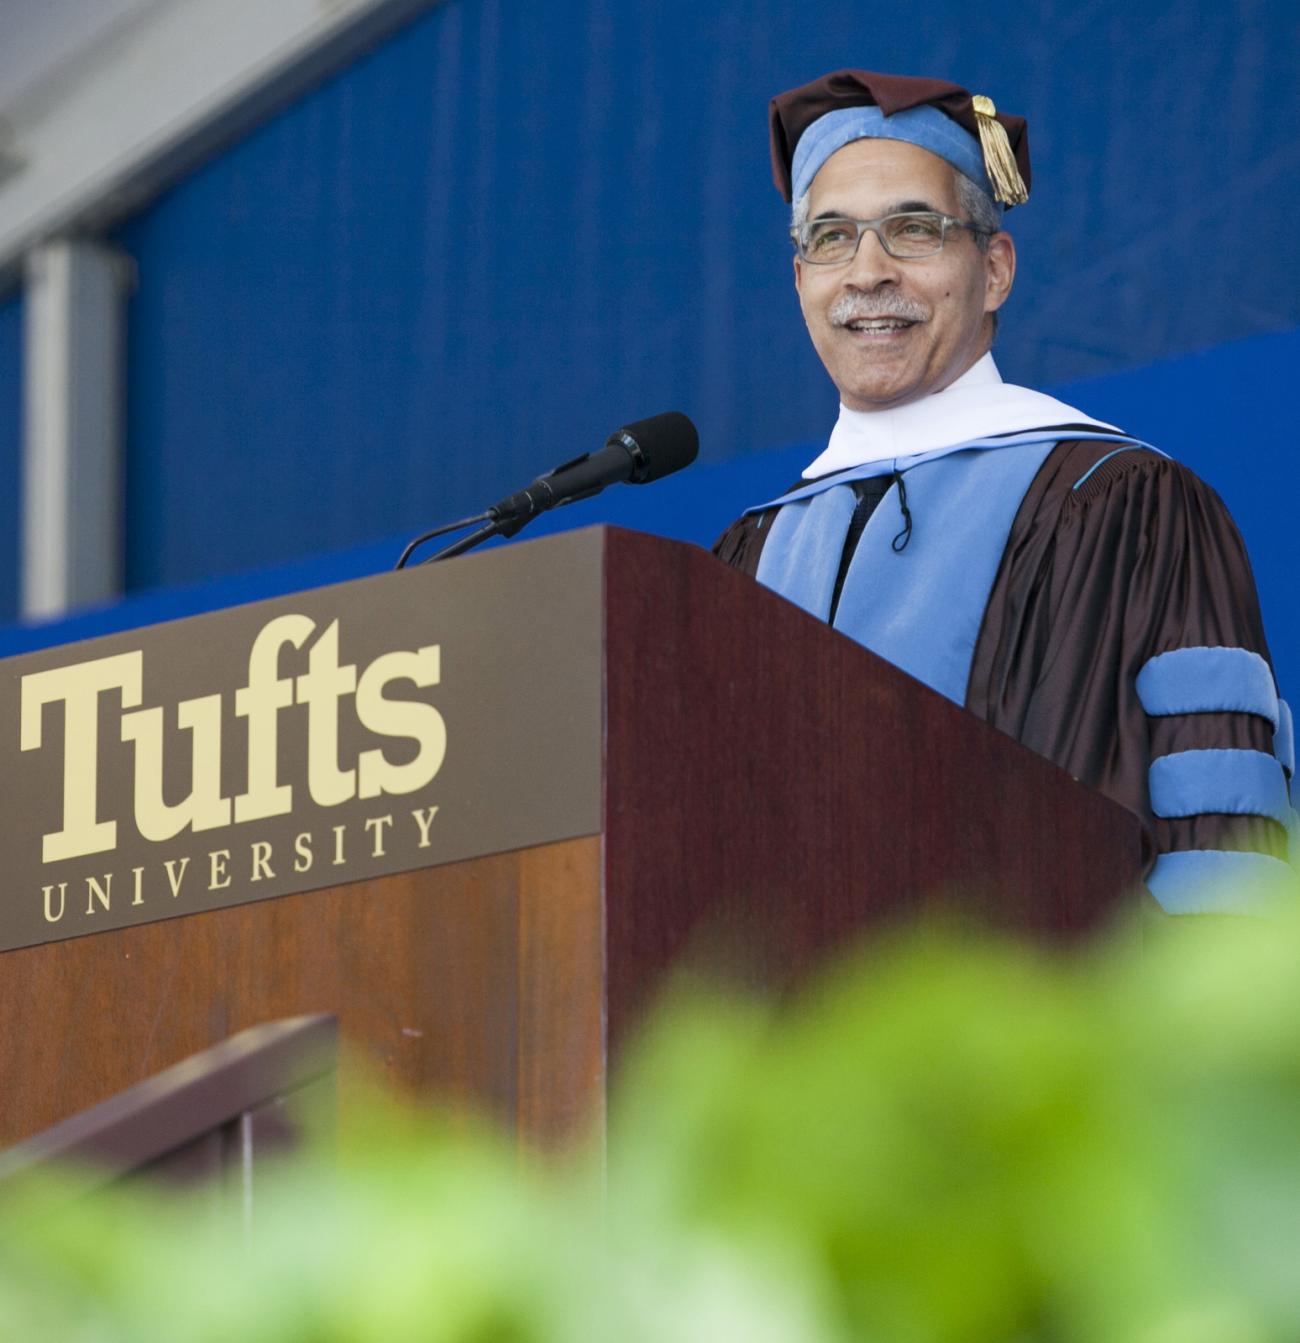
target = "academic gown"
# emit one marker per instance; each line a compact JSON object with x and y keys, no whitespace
{"x":1096,"y":581}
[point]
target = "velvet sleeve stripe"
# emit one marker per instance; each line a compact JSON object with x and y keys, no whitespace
{"x":1208,"y":881}
{"x":1208,"y":680}
{"x":1231,"y":782}
{"x":1284,"y":739}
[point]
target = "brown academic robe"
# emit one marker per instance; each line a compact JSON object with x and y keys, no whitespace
{"x":1142,"y":559}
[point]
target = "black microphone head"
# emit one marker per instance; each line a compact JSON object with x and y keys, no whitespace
{"x":660,"y":445}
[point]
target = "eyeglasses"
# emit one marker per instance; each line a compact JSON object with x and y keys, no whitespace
{"x":908,"y":236}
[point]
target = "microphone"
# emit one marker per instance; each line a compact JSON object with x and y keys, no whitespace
{"x":638,"y":453}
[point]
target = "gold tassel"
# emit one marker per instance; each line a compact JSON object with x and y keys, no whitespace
{"x":999,"y":162}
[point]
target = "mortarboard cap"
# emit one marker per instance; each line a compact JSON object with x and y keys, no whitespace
{"x":810,"y":123}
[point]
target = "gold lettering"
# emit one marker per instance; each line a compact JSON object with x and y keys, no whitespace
{"x":260,"y":701}
{"x":78,"y":689}
{"x":376,"y":826}
{"x":302,"y":849}
{"x":139,"y":886}
{"x":204,"y":808}
{"x":174,"y":877}
{"x":218,"y":859}
{"x":94,"y":891}
{"x":420,"y":722}
{"x":262,"y":860}
{"x":320,"y":689}
{"x":424,"y":819}
{"x":338,"y":845}
{"x":47,"y":891}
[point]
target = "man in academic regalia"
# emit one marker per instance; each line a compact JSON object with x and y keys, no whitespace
{"x":1072,"y":586}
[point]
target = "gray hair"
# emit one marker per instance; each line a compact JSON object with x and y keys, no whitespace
{"x":979,"y":208}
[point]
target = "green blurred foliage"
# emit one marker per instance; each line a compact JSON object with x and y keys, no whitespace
{"x":945,"y":1138}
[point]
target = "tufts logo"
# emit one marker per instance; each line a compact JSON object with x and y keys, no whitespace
{"x":82,"y":692}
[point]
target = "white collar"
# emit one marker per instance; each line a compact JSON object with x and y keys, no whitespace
{"x":977,"y":405}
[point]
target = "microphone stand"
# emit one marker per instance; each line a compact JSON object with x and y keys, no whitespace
{"x":467,"y":542}
{"x":481,"y":535}
{"x":494,"y":525}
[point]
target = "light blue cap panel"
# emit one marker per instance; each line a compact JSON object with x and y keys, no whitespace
{"x":925,"y":126}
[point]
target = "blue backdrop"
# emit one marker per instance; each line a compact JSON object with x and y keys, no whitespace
{"x":510,"y":228}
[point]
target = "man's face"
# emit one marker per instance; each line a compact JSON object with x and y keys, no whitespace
{"x":942,"y":305}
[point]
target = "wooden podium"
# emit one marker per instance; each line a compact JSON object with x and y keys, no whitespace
{"x":643,"y":749}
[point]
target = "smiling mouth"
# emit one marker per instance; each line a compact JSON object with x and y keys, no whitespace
{"x":878,"y":325}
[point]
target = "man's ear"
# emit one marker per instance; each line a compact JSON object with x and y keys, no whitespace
{"x":999,"y":271}
{"x":798,"y":274}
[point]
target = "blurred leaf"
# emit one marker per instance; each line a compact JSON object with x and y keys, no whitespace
{"x":944,"y":1138}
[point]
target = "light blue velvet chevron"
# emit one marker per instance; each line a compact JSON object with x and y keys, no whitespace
{"x":1284,"y":738}
{"x":925,"y":126}
{"x":1208,"y":881}
{"x":1235,"y":782}
{"x":1208,"y":680}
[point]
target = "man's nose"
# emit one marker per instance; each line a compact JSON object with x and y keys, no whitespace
{"x":871,"y":265}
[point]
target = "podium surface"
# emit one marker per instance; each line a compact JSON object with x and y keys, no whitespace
{"x":477,"y":811}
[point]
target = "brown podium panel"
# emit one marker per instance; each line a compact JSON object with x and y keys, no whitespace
{"x":800,"y":788}
{"x":478,"y":982}
{"x":511,"y":790}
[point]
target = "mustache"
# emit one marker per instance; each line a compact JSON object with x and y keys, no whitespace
{"x":855,"y":307}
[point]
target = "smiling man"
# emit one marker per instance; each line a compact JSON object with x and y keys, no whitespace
{"x":889,"y":330}
{"x":1075,"y":587}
